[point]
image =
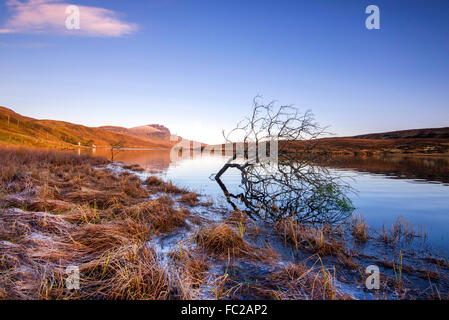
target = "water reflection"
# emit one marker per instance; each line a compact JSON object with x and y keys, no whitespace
{"x":431,"y":169}
{"x":419,"y":168}
{"x":150,"y":160}
{"x":386,"y":187}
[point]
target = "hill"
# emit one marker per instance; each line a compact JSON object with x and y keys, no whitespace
{"x":20,"y":130}
{"x":370,"y":146}
{"x":430,"y":133}
{"x":153,"y":132}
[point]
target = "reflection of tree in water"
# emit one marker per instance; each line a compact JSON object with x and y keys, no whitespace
{"x":289,"y":186}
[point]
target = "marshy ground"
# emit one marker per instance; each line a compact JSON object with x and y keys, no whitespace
{"x":135,"y":236}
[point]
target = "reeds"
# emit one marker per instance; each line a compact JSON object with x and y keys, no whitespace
{"x":359,"y":229}
{"x":402,"y":229}
{"x":310,"y":238}
{"x":298,"y":281}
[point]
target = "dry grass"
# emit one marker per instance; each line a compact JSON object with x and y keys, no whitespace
{"x":317,"y":240}
{"x":77,"y":215}
{"x":134,"y":167}
{"x":20,"y":167}
{"x":114,"y":261}
{"x":402,"y":229}
{"x":192,"y":265}
{"x":297,"y":281}
{"x":132,"y":186}
{"x":237,"y":217}
{"x":190,"y":198}
{"x":129,"y":272}
{"x":153,"y":181}
{"x":222,"y":240}
{"x":159,"y":214}
{"x":97,"y":199}
{"x":440,"y":262}
{"x":309,"y":238}
{"x":155,"y":184}
{"x":359,"y":229}
{"x":347,"y":260}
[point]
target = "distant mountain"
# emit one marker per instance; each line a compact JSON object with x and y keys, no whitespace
{"x":437,"y":133}
{"x":154,"y":132}
{"x":21,"y":130}
{"x":430,"y":141}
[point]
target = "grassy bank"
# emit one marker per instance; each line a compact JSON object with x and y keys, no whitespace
{"x":59,"y":209}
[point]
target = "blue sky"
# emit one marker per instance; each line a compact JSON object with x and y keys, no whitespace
{"x":195,"y":66}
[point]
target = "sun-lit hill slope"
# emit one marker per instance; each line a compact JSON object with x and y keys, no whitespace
{"x":20,"y":130}
{"x":353,"y":146}
{"x":154,"y":131}
{"x":365,"y":147}
{"x":428,"y":133}
{"x":151,"y":132}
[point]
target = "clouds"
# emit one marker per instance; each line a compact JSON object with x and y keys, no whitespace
{"x":49,"y":16}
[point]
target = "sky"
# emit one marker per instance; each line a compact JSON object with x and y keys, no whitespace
{"x":195,"y":66}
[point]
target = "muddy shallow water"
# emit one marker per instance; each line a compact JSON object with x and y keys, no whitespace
{"x":415,"y":188}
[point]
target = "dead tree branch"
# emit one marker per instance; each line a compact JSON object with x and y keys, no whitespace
{"x":293,"y":184}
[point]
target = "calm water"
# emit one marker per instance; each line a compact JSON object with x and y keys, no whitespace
{"x":386,"y":188}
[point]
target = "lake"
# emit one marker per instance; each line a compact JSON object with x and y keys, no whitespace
{"x":416,"y":188}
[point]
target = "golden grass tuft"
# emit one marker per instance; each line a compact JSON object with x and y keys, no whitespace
{"x":132,"y":187}
{"x":359,"y":229}
{"x":155,"y":184}
{"x":190,"y":198}
{"x":153,"y":181}
{"x":224,"y":241}
{"x":159,"y":214}
{"x":192,"y":265}
{"x":134,"y":167}
{"x":97,"y":199}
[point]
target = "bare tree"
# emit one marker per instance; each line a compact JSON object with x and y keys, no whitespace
{"x":116,"y":148}
{"x":295,"y":184}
